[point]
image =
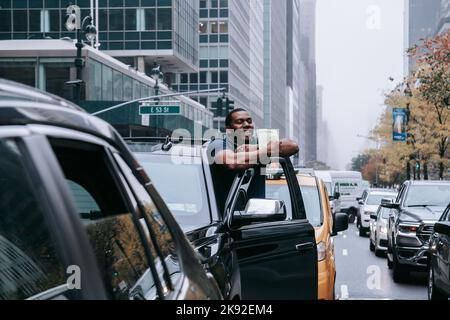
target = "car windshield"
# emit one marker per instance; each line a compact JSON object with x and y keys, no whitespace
{"x":428,"y":195}
{"x":310,"y":197}
{"x":375,"y":199}
{"x":182,"y":188}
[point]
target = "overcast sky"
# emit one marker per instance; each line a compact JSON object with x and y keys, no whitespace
{"x":360,"y":44}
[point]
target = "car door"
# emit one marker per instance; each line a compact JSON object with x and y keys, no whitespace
{"x":443,"y":256}
{"x":277,"y":260}
{"x":38,"y":224}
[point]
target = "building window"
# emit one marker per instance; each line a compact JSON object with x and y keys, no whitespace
{"x":223,"y":26}
{"x":150,"y":19}
{"x":20,"y":18}
{"x":203,"y":77}
{"x":203,"y":27}
{"x":56,"y":76}
{"x":5,"y":20}
{"x":193,"y":77}
{"x":223,"y":76}
{"x":22,"y":72}
{"x":164,"y":19}
{"x":214,"y":77}
{"x":130,"y":19}
{"x":34,"y":18}
{"x":116,"y":19}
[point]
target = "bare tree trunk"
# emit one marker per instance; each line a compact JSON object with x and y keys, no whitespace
{"x":425,"y":171}
{"x":441,"y":170}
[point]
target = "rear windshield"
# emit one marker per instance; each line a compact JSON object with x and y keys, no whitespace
{"x":181,"y":186}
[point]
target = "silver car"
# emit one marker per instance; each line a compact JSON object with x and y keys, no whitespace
{"x":378,"y":231}
{"x":369,"y":206}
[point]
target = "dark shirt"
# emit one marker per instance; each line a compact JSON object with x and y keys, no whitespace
{"x":223,"y":177}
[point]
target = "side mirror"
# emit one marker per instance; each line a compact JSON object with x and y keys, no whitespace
{"x":337,"y":195}
{"x":442,"y":228}
{"x":260,"y":211}
{"x":374,"y":217}
{"x":391,"y":205}
{"x":340,"y":223}
{"x":361,"y":202}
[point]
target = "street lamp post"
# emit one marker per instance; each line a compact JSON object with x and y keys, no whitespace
{"x":158,"y":76}
{"x":74,"y":22}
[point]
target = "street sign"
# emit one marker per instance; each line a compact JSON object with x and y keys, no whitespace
{"x":167,"y":108}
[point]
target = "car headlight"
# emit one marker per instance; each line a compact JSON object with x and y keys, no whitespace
{"x":321,"y":251}
{"x":408,"y":228}
{"x":383,"y":230}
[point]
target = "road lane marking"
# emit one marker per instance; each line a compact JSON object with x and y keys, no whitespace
{"x":344,"y":292}
{"x":345,"y":252}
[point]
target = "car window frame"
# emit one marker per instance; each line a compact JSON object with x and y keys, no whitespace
{"x":71,"y":243}
{"x":138,"y":205}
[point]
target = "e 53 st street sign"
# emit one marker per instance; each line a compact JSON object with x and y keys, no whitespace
{"x":165,"y":109}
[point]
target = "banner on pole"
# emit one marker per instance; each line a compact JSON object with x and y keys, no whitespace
{"x":399,"y":125}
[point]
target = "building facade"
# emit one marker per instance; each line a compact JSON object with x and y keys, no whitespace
{"x":275,"y":66}
{"x":139,"y":32}
{"x":422,"y":18}
{"x":231,"y":45}
{"x":308,"y":69}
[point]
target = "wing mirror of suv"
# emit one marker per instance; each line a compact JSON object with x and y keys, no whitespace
{"x":374,"y":217}
{"x":261,"y":210}
{"x":391,"y":205}
{"x":442,"y":228}
{"x":386,"y":201}
{"x":340,"y":223}
{"x":361,"y":202}
{"x":337,"y":195}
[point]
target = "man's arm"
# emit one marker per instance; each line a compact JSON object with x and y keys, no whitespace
{"x":248,"y":156}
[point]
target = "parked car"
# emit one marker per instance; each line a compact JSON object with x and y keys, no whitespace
{"x":439,"y":270}
{"x":411,"y":221}
{"x":79,"y":219}
{"x":256,"y":248}
{"x":326,"y":225}
{"x":378,"y":231}
{"x":369,"y":204}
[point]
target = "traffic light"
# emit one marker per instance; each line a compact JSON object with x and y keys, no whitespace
{"x":229,"y":105}
{"x":219,"y":107}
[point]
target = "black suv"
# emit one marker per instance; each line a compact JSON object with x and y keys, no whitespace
{"x":439,"y":271}
{"x":253,"y":253}
{"x":411,"y":221}
{"x":79,"y":219}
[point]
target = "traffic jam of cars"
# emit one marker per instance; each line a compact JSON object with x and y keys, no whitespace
{"x":103,"y":217}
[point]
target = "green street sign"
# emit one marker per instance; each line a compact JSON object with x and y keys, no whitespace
{"x":160,"y":110}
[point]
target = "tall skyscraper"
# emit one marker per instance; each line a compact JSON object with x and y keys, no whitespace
{"x":231,"y":48}
{"x":308,"y":88}
{"x":422,"y":18}
{"x":444,"y":18}
{"x":275,"y":65}
{"x":293,"y":123}
{"x":322,"y":129}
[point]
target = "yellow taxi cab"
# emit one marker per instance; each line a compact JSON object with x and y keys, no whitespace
{"x":319,"y":214}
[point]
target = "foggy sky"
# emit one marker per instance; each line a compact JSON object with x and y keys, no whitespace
{"x":356,"y":55}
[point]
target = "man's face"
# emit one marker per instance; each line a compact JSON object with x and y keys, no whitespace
{"x":243,"y":122}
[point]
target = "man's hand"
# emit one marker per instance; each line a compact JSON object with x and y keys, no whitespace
{"x":284,"y":148}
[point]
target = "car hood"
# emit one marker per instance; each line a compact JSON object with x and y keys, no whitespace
{"x":421,"y":214}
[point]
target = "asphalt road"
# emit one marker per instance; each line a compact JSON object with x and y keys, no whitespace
{"x":361,"y":275}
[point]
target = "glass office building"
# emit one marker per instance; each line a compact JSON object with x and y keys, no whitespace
{"x":231,"y":56}
{"x":49,"y":65}
{"x":164,"y":31}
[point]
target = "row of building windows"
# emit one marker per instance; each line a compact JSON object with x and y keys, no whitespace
{"x":82,"y":3}
{"x":213,"y":13}
{"x":212,"y":38}
{"x":202,"y":77}
{"x":214,"y":63}
{"x":213,"y":4}
{"x":213,"y":27}
{"x":46,"y":20}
